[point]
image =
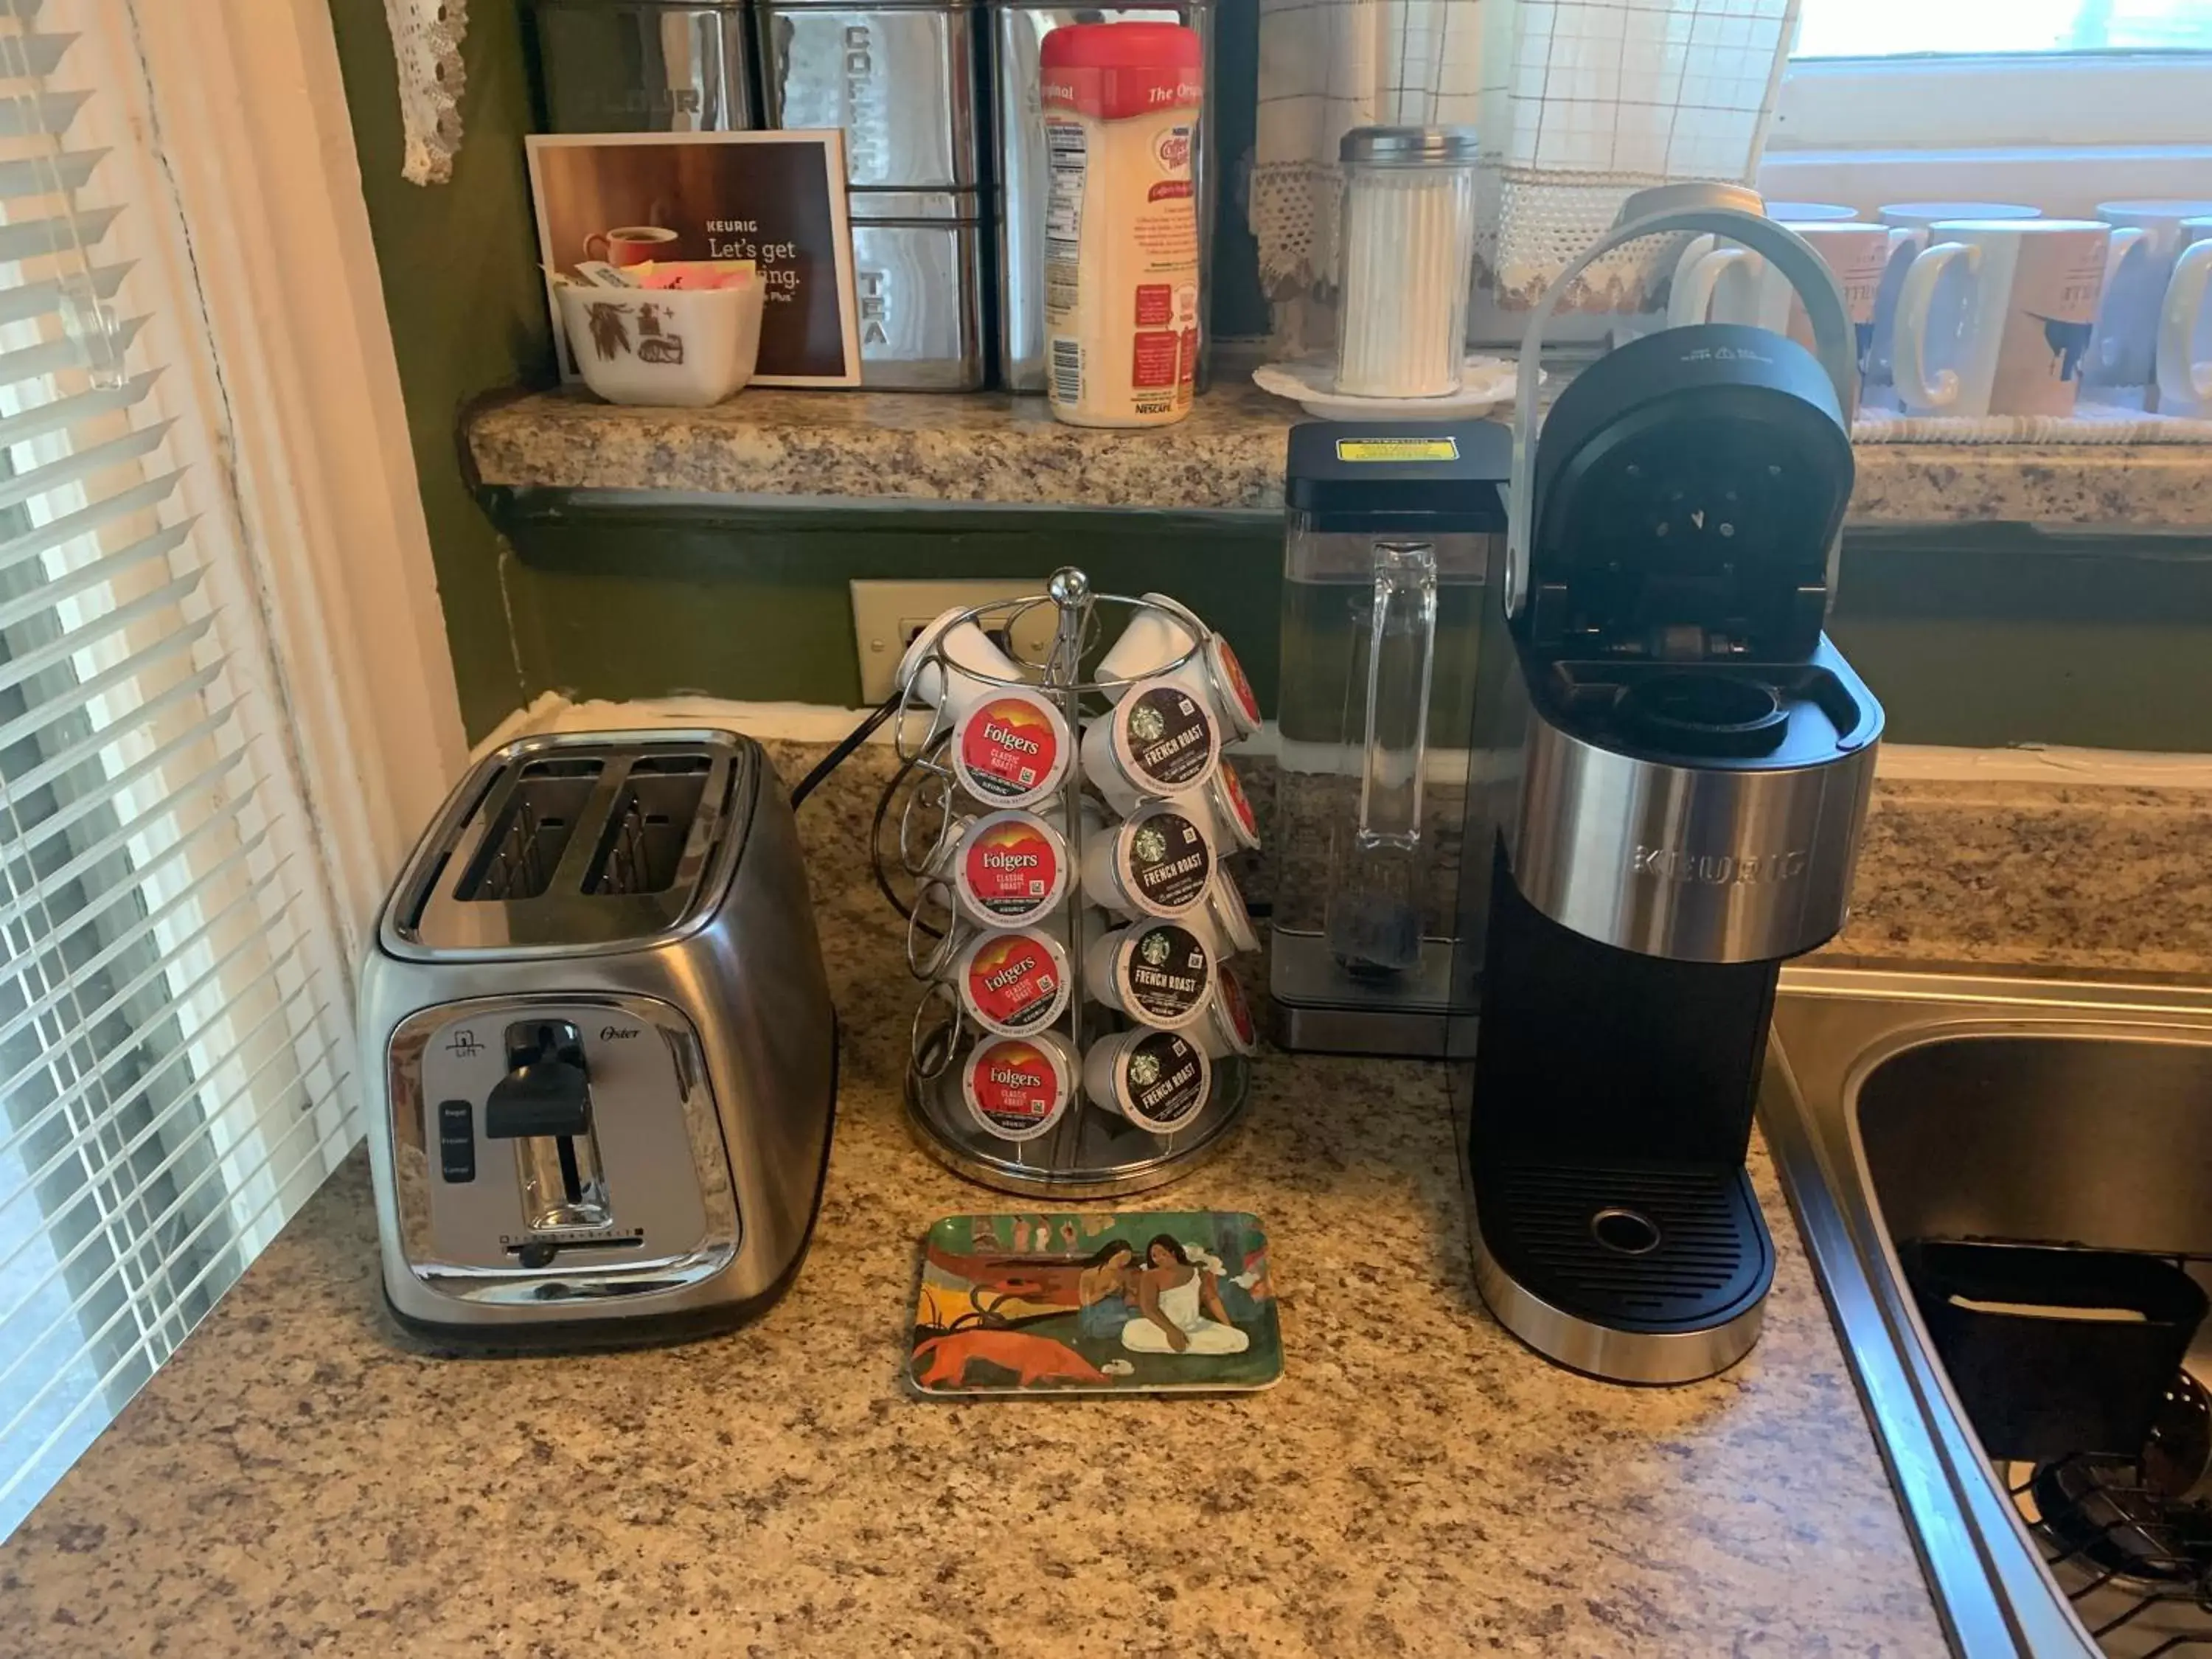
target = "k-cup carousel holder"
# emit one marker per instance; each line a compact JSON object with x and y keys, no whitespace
{"x":1085,"y":1150}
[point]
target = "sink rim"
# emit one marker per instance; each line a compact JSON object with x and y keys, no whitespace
{"x":1833,"y":1028}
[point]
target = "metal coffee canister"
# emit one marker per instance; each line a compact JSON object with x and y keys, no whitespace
{"x":901,"y":80}
{"x":645,"y":65}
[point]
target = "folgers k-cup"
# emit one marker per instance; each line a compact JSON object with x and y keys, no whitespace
{"x":1157,"y":1079}
{"x":1013,"y":984}
{"x":1229,"y":1028}
{"x":1010,"y":748}
{"x":1161,"y":738}
{"x":1158,"y":863}
{"x":1016,"y":1088}
{"x":1005,"y":868}
{"x":1235,"y":825}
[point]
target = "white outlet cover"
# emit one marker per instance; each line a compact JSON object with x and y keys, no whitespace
{"x":888,"y":614}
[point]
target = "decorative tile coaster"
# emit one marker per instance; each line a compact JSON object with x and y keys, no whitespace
{"x":1141,"y":1302}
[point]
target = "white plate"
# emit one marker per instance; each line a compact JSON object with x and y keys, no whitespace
{"x":1487,"y":384}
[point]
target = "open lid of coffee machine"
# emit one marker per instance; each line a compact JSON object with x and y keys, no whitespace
{"x":1673,"y":529}
{"x":1687,"y":488}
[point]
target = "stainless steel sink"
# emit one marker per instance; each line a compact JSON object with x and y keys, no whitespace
{"x":1899,"y":1106}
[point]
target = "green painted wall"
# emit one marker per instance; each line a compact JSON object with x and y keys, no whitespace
{"x":460,"y":266}
{"x":1979,"y":635}
{"x":758,"y":611}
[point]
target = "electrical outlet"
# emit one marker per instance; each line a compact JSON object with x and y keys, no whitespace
{"x":887,"y":615}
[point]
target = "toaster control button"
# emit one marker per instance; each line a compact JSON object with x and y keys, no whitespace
{"x":457,"y":1141}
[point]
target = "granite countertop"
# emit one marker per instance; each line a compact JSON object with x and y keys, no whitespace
{"x":299,"y":1478}
{"x":994,"y":448}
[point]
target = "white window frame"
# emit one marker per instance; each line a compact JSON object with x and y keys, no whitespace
{"x":292,"y":350}
{"x":2061,"y":132}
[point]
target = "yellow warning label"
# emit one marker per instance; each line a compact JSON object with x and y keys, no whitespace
{"x":1397,"y":449}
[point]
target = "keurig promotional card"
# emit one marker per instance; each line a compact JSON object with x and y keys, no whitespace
{"x":775,"y":198}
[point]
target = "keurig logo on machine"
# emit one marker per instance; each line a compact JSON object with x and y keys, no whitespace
{"x":1718,"y":869}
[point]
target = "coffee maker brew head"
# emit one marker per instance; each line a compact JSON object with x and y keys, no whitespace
{"x":1697,"y":757}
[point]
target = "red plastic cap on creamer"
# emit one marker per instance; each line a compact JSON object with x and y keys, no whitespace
{"x":1118,"y":71}
{"x":1123,"y":46}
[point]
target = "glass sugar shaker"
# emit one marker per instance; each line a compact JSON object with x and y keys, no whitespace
{"x":1406,"y":253}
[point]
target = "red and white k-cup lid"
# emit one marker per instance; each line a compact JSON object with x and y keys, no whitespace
{"x":1229,"y":1028}
{"x":1019,"y":1087}
{"x":1232,"y":808}
{"x":1009,"y":868}
{"x":1233,"y":692}
{"x":1011,"y":748}
{"x":1013,"y":983}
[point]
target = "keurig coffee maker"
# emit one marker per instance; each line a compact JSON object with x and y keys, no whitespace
{"x":1672,"y":767}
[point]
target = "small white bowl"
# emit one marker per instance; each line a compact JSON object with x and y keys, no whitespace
{"x":679,"y":348}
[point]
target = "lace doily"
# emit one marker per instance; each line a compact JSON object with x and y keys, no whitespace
{"x":426,"y":38}
{"x":1577,"y":104}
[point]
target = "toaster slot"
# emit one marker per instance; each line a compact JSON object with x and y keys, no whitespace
{"x":642,"y":849}
{"x":536,"y":821}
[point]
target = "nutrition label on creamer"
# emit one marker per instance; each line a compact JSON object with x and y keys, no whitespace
{"x":1067,"y":155}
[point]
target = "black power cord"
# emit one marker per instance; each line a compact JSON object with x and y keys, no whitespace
{"x":852,"y":740}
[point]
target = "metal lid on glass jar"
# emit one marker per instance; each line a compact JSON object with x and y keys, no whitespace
{"x":1407,"y":147}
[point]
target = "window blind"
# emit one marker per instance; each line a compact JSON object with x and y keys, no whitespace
{"x":174,"y":1018}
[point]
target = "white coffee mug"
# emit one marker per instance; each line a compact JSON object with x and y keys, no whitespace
{"x":1910,"y":220}
{"x":1724,"y":283}
{"x":1806,"y":213}
{"x":2147,"y":239}
{"x":1996,"y":315}
{"x":2185,"y":328}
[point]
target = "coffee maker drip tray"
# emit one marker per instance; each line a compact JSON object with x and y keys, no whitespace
{"x":1655,"y":1274}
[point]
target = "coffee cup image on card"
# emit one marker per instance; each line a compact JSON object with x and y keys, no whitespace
{"x":630,"y":245}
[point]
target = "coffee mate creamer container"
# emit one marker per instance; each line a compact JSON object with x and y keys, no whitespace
{"x":1120,"y":119}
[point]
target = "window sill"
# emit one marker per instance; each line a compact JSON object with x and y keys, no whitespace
{"x":989,"y":449}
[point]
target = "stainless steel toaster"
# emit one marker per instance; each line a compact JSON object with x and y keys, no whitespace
{"x":598,"y":1047}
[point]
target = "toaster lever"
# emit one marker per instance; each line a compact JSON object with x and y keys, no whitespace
{"x":546,"y":1091}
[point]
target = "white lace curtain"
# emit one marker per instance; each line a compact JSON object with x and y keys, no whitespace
{"x":1576,"y":103}
{"x":426,"y":41}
